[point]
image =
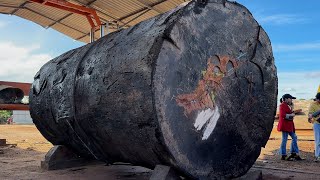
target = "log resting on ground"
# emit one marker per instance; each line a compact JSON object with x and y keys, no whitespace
{"x":194,"y":88}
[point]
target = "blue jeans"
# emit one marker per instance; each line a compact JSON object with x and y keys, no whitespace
{"x":316,"y":130}
{"x":294,"y":144}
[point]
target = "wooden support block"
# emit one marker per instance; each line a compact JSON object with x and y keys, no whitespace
{"x":251,"y":175}
{"x":3,"y":142}
{"x":60,"y":157}
{"x":162,"y":172}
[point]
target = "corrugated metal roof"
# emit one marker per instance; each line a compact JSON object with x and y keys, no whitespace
{"x":118,"y":13}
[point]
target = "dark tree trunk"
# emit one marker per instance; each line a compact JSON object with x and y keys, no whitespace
{"x":194,"y":88}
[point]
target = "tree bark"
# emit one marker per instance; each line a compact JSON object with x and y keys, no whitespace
{"x":194,"y":88}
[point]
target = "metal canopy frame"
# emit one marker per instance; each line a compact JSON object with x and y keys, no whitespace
{"x":75,"y":18}
{"x":89,"y":13}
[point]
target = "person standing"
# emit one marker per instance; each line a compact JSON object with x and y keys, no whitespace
{"x":10,"y":120}
{"x":286,"y":126}
{"x":314,"y":117}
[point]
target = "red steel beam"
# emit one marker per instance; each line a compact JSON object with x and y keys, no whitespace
{"x":74,"y":8}
{"x":14,"y":107}
{"x":25,"y":87}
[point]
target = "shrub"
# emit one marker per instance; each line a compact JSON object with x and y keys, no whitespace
{"x":4,"y":115}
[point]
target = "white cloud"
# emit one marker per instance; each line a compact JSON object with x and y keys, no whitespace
{"x":281,"y":19}
{"x":288,"y":89}
{"x":313,"y":75}
{"x":300,"y":84}
{"x":19,"y":63}
{"x":300,"y":59}
{"x":2,"y":24}
{"x":296,"y":47}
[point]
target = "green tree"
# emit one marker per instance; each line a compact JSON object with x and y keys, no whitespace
{"x":4,"y":115}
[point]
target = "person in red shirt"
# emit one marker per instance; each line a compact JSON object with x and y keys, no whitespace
{"x":286,"y":126}
{"x":10,"y":120}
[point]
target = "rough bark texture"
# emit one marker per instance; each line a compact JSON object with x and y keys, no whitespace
{"x":194,"y":88}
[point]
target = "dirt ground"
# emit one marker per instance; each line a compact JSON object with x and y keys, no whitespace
{"x":269,"y":159}
{"x":22,"y":161}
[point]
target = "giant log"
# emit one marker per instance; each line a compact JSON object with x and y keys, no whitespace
{"x":194,"y":88}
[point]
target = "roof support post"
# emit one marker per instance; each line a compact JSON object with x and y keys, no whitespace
{"x":108,"y":30}
{"x":92,"y":31}
{"x":102,"y":29}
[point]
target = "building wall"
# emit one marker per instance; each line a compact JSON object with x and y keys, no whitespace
{"x":21,"y":117}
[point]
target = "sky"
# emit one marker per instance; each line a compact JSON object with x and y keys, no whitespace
{"x":292,"y":27}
